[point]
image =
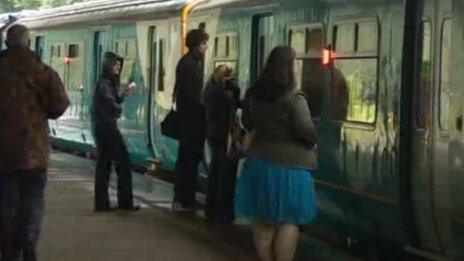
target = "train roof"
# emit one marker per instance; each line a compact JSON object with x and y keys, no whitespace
{"x":103,"y":12}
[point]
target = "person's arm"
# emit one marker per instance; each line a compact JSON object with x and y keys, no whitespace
{"x":246,"y":113}
{"x":56,"y":101}
{"x":106,"y":91}
{"x":301,"y":122}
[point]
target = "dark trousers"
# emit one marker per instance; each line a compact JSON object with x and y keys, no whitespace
{"x":22,"y":208}
{"x":221,"y":183}
{"x":111,"y":148}
{"x":189,"y":157}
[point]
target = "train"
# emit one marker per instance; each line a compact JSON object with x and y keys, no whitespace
{"x":382,"y":80}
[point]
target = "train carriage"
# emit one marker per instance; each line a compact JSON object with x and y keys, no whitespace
{"x":386,"y":101}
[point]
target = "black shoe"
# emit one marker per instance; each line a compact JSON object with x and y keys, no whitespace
{"x":133,"y":208}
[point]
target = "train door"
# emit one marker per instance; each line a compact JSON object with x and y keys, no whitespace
{"x":456,"y":160}
{"x":422,"y":131}
{"x":431,"y":128}
{"x":152,"y":69}
{"x":442,"y":125}
{"x":39,"y":45}
{"x":262,"y":42}
{"x":99,"y":38}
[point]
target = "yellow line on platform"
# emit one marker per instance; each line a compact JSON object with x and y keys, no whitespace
{"x":358,"y":192}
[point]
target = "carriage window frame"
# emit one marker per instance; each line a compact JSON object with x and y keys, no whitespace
{"x":74,"y":50}
{"x":229,"y":58}
{"x":443,"y":128}
{"x":419,"y":87}
{"x":308,"y":54}
{"x":357,"y":54}
{"x":55,"y":50}
{"x":161,"y":67}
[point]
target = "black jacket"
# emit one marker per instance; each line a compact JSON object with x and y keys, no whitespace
{"x":221,"y":104}
{"x":107,"y":97}
{"x":187,"y":91}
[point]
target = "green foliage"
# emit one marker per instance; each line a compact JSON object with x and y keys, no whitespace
{"x":16,"y":5}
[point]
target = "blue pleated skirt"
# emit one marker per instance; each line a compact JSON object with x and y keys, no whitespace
{"x":274,"y":193}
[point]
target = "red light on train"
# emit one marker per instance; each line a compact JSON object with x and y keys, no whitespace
{"x":327,"y":56}
{"x":67,"y":60}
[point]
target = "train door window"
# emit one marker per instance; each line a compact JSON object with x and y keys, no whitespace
{"x":128,"y":50}
{"x":445,"y":74}
{"x":73,"y":51}
{"x":75,"y":67}
{"x":220,"y":47}
{"x":344,"y":38}
{"x":262,"y":42}
{"x":153,"y":51}
{"x":355,"y":74}
{"x":39,"y":45}
{"x":366,"y":37}
{"x":307,"y":41}
{"x":315,"y":39}
{"x":227,"y":50}
{"x":161,"y":70}
{"x":423,"y":80}
{"x":99,"y":38}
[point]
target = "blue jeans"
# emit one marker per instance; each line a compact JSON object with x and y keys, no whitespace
{"x":22,"y":208}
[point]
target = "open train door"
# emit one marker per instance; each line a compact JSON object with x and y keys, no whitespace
{"x":431,"y":128}
{"x":456,"y":133}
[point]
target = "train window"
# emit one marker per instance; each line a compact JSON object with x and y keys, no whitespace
{"x":366,"y":40}
{"x":131,"y":48}
{"x":226,"y":50}
{"x":423,"y":82}
{"x":312,"y":84}
{"x":121,"y":48}
{"x":355,"y":76}
{"x":445,"y":74}
{"x":232,"y":46}
{"x":221,"y":47}
{"x":161,"y":70}
{"x":56,"y":50}
{"x":73,"y":50}
{"x":298,"y":40}
{"x":315,"y":40}
{"x":354,"y":90}
{"x":307,"y":41}
{"x":344,"y":38}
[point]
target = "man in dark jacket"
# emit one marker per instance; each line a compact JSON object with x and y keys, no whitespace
{"x":32,"y":93}
{"x":187,"y":93}
{"x":106,"y":109}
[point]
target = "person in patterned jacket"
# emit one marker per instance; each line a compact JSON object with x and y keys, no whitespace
{"x":32,"y":93}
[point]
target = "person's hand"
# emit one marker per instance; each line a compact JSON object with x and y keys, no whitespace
{"x":131,"y":86}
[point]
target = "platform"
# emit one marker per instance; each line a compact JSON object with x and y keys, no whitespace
{"x":73,"y":232}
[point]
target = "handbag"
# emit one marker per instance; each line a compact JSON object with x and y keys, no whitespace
{"x":170,"y":126}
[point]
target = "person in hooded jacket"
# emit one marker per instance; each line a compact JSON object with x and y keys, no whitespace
{"x":106,"y":109}
{"x":32,"y":93}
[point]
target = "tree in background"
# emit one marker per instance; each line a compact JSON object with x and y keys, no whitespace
{"x":16,"y":5}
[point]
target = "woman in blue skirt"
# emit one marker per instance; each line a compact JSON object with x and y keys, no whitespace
{"x":275,"y":189}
